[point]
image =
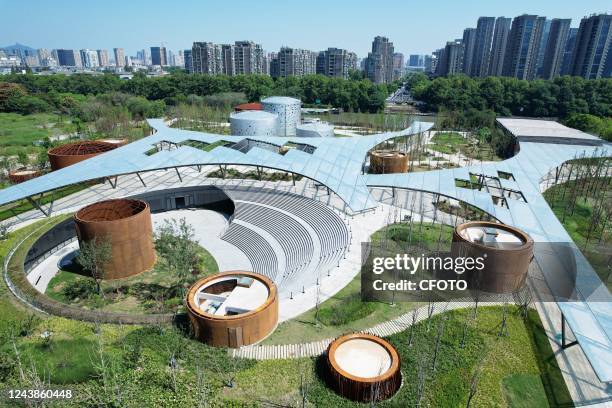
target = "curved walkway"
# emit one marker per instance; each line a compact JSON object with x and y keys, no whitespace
{"x":316,"y":348}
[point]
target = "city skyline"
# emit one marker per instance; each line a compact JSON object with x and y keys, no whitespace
{"x":205,"y":22}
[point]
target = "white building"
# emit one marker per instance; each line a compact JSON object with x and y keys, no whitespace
{"x":254,"y":123}
{"x":89,"y":58}
{"x":288,"y":111}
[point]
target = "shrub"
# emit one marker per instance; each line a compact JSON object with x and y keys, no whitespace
{"x":80,"y":289}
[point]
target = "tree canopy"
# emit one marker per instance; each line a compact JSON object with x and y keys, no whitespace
{"x":560,"y":97}
{"x":355,"y":94}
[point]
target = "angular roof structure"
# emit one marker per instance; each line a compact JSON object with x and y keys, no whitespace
{"x":334,"y":162}
{"x":546,"y":131}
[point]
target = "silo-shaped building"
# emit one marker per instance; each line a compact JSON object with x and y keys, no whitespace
{"x":71,"y":153}
{"x":506,"y":252}
{"x":288,"y":111}
{"x":232,"y":309}
{"x":126,"y":225}
{"x":254,"y":123}
{"x":363,"y":367}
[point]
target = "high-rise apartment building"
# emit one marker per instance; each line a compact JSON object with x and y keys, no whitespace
{"x":228,"y":59}
{"x":429,"y":64}
{"x":591,"y":58}
{"x":188,"y":61}
{"x":481,"y":53}
{"x":416,"y":60}
{"x":89,"y":58}
{"x":119,"y":57}
{"x":170,"y":58}
{"x":206,"y":58}
{"x":146,"y":57}
{"x":103,"y":59}
{"x":159,"y":56}
{"x":450,"y":60}
{"x":542,"y":47}
{"x":141,"y":57}
{"x":521,"y":57}
{"x":379,"y":63}
{"x":265,"y":64}
{"x":248,"y":58}
{"x":468,"y":41}
{"x":45,"y":58}
{"x":68,"y":58}
{"x":555,"y":47}
{"x":336,"y":62}
{"x":568,"y":53}
{"x":398,"y":65}
{"x":43,"y":54}
{"x":274,"y":65}
{"x":242,"y":57}
{"x":295,"y":61}
{"x":498,"y":46}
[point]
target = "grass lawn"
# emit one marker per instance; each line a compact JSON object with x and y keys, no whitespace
{"x":343,"y":312}
{"x":448,"y":142}
{"x":153,"y":291}
{"x":516,"y":370}
{"x":64,"y":361}
{"x":21,"y":131}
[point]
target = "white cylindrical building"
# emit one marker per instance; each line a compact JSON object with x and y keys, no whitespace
{"x":254,"y":123}
{"x":288,"y":111}
{"x":315,"y":129}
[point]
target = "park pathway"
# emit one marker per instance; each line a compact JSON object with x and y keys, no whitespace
{"x":316,"y":348}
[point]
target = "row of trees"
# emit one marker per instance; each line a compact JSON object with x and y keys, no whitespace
{"x":350,"y":94}
{"x":86,"y":108}
{"x":560,"y":97}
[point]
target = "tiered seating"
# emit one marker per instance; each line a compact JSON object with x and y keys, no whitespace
{"x":291,"y":235}
{"x":283,"y":216}
{"x":332,"y":230}
{"x":258,"y":250}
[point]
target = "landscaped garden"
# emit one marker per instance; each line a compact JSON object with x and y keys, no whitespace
{"x":472,"y":146}
{"x":180,"y":262}
{"x":444,"y":360}
{"x":133,"y":366}
{"x":232,"y":173}
{"x":23,"y":132}
{"x":366,"y":123}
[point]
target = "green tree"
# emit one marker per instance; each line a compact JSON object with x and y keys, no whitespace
{"x":93,"y":257}
{"x":174,"y":242}
{"x":22,"y":158}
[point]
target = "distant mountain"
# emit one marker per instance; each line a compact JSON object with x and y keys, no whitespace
{"x":16,"y":48}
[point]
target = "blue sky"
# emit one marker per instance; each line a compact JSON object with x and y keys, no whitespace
{"x":413,"y":26}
